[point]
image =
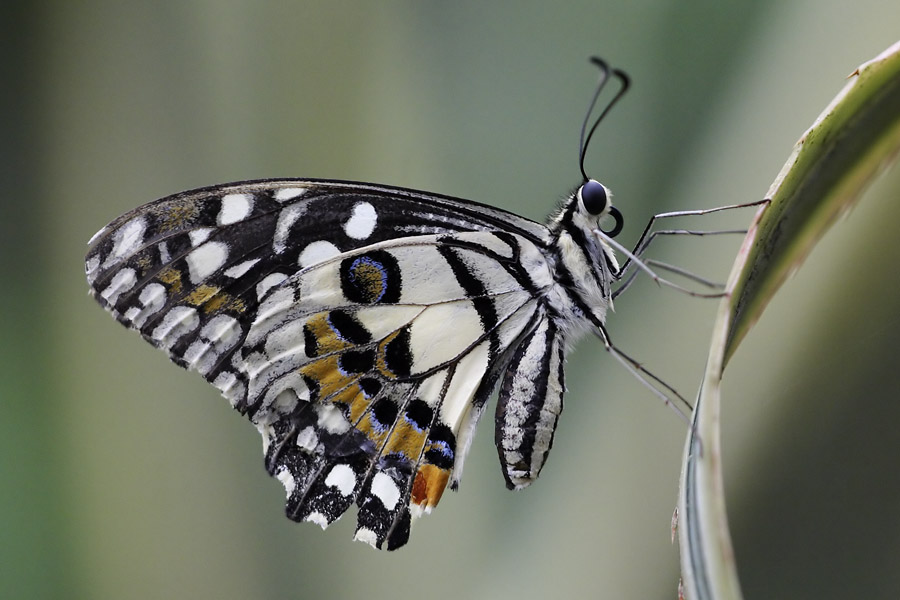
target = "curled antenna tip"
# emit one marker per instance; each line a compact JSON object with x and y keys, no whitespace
{"x":587,"y":133}
{"x":623,"y":77}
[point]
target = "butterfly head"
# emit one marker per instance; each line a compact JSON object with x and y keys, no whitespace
{"x":595,"y":202}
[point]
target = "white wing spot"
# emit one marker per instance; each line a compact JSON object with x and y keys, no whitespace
{"x":179,"y":321}
{"x":153,"y":295}
{"x":287,"y":480}
{"x":385,"y":489}
{"x":285,"y":402}
{"x":268,"y":283}
{"x":127,"y":239}
{"x":273,"y":307}
{"x":364,"y":534}
{"x":362,"y":221}
{"x":198,"y":358}
{"x":317,"y":518}
{"x":206,"y":260}
{"x":199,"y":235}
{"x":240,"y":269}
{"x":164,"y":253}
{"x":342,"y":478}
{"x":90,"y":268}
{"x":230,"y":386}
{"x":235,"y":207}
{"x":317,"y":252}
{"x":281,"y":395}
{"x":122,"y":281}
{"x":224,"y":330}
{"x":308,"y":439}
{"x":224,"y":381}
{"x":332,"y":420}
{"x":286,"y":220}
{"x":285,"y":194}
{"x":152,"y":299}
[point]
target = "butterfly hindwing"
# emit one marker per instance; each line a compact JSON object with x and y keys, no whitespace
{"x":386,"y":369}
{"x":361,"y":328}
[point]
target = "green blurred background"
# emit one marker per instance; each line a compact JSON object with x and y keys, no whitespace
{"x":125,"y":477}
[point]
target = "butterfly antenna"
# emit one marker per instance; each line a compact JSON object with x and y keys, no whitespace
{"x":586,"y":135}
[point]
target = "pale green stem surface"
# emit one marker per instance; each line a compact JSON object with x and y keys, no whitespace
{"x":854,"y":138}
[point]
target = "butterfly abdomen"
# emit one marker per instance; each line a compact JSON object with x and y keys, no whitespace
{"x":531,"y":399}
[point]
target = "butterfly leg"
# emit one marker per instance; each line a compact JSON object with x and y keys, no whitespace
{"x":633,"y":259}
{"x":660,"y":388}
{"x":634,"y":262}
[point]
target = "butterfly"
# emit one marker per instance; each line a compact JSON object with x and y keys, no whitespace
{"x":362,"y":328}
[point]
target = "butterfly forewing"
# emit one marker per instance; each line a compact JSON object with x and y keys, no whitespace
{"x":360,"y":327}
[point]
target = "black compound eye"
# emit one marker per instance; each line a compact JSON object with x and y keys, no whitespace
{"x":593,"y":197}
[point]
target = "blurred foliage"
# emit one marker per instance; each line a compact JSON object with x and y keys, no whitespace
{"x":126,"y":477}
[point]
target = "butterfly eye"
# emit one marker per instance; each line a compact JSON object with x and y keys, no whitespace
{"x":593,"y":197}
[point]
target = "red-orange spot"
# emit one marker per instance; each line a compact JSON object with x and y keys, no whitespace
{"x":429,"y":485}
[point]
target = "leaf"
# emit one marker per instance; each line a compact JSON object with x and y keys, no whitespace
{"x":855,"y":138}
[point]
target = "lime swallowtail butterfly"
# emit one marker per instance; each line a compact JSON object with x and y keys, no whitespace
{"x":362,"y":328}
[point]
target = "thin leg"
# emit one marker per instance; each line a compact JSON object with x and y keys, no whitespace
{"x":645,"y":377}
{"x":684,"y":273}
{"x":643,"y":242}
{"x":672,"y":268}
{"x":632,"y":259}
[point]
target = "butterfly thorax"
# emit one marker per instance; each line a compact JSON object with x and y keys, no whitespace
{"x":583,"y":263}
